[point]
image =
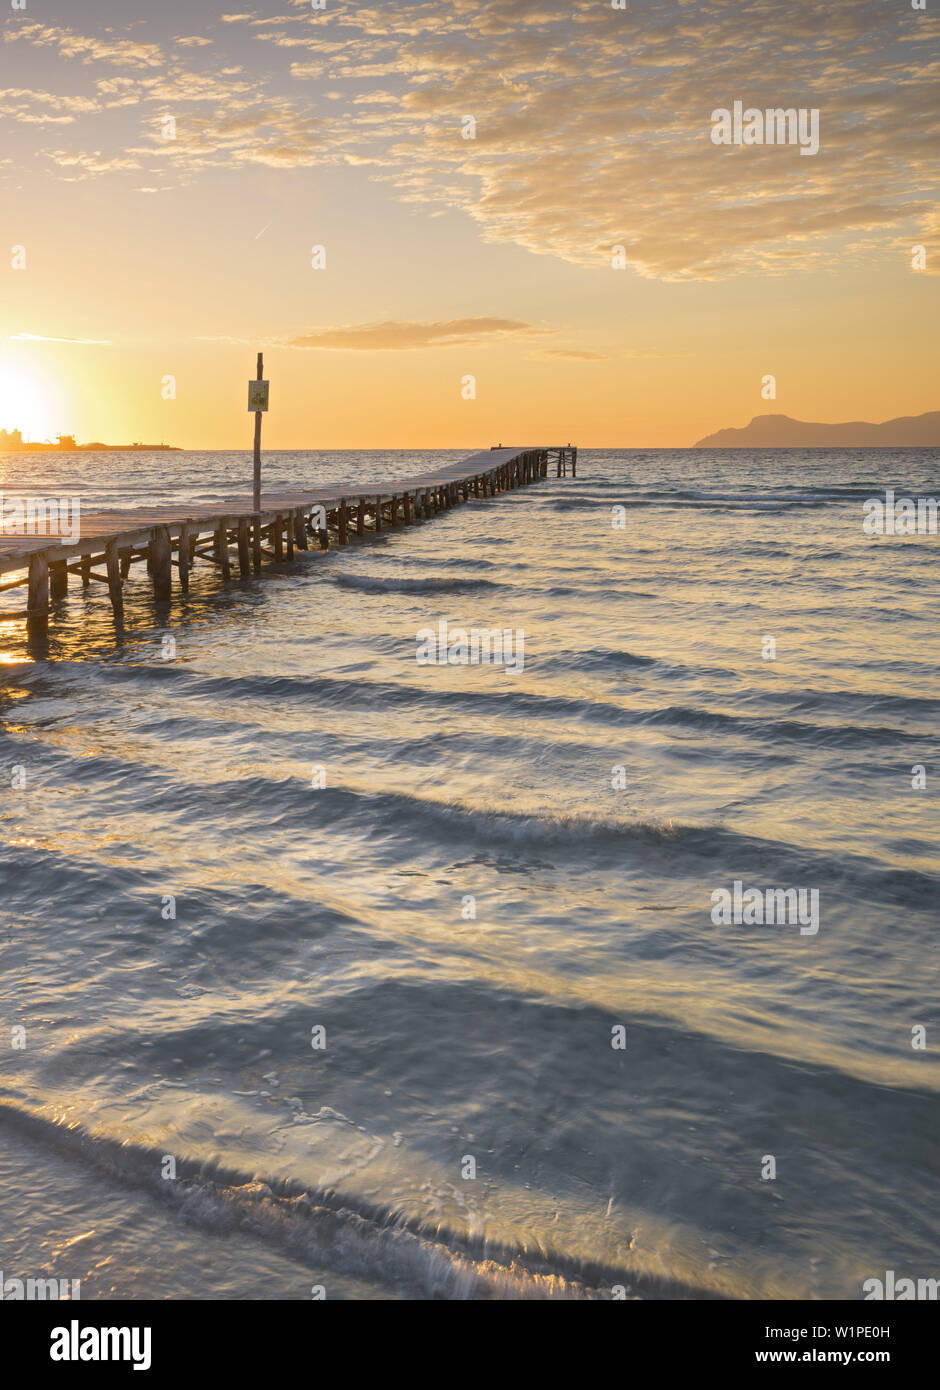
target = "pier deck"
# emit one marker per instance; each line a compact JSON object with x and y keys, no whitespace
{"x":169,"y":537}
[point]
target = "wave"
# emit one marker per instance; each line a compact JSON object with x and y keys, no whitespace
{"x":373,"y":584}
{"x":343,"y":1231}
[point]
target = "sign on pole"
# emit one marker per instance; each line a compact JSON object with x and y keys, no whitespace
{"x":258,"y":395}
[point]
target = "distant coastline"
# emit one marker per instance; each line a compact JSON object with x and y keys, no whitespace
{"x":783,"y":432}
{"x":12,"y":442}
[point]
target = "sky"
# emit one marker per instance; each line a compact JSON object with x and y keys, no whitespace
{"x":601,"y":269}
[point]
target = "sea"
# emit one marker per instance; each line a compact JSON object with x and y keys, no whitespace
{"x":329,"y":972}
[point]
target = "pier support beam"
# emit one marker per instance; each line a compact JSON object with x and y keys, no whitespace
{"x":85,"y":563}
{"x":256,"y":542}
{"x":342,"y":522}
{"x":407,"y":508}
{"x":59,"y":579}
{"x":378,"y":514}
{"x":114,"y":561}
{"x":38,"y":600}
{"x":244,"y":550}
{"x":361,"y":517}
{"x":160,"y":560}
{"x":300,"y":529}
{"x":183,"y":558}
{"x":221,"y":549}
{"x":277,"y":537}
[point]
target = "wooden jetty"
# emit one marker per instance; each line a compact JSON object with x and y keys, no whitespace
{"x":177,"y":537}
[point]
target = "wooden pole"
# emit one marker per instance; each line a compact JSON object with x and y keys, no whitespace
{"x":407,"y":507}
{"x":257,"y":460}
{"x":160,"y":556}
{"x":300,"y":529}
{"x":59,"y":579}
{"x":114,"y":561}
{"x":38,"y":600}
{"x":183,"y":558}
{"x":244,"y":554}
{"x":221,"y":548}
{"x":256,"y":543}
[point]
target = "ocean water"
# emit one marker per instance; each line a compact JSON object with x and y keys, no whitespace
{"x":504,"y":875}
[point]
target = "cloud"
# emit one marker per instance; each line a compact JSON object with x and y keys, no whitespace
{"x":42,"y":338}
{"x":592,"y":124}
{"x":574,"y":354}
{"x":123,"y":52}
{"x":371,"y":337}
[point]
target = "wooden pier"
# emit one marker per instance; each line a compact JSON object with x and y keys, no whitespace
{"x":232,"y":532}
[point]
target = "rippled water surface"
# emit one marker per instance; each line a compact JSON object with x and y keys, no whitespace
{"x":452,"y":1038}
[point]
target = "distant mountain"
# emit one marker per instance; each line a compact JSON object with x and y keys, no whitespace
{"x":782,"y":432}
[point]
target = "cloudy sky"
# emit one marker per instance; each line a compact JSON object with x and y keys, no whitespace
{"x":170,"y":167}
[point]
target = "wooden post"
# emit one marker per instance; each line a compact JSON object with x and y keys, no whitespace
{"x":277,"y":536}
{"x":183,"y":558}
{"x":86,"y":571}
{"x":125,"y":563}
{"x":256,"y":542}
{"x":38,"y":601}
{"x":361,"y":517}
{"x":378,"y":514}
{"x":407,"y":508}
{"x":221,"y":549}
{"x":160,"y":556}
{"x":115,"y":565}
{"x":257,"y":456}
{"x":300,"y":529}
{"x":393,"y":512}
{"x":59,"y":579}
{"x":574,"y":462}
{"x":244,"y":552}
{"x":342,"y":522}
{"x":323,"y":536}
{"x":289,"y":534}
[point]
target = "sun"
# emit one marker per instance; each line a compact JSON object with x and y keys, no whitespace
{"x":25,"y":402}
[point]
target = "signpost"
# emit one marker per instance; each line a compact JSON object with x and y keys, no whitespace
{"x":258,"y":402}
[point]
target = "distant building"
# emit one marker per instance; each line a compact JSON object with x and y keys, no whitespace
{"x":11,"y":440}
{"x":66,"y":441}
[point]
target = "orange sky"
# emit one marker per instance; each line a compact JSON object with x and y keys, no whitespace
{"x":149,"y":257}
